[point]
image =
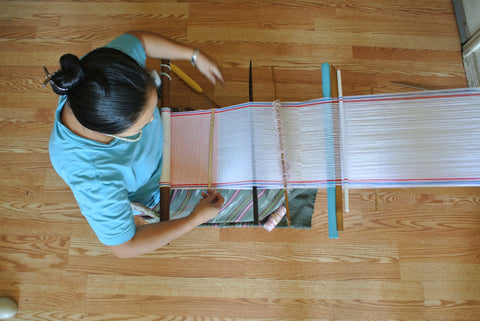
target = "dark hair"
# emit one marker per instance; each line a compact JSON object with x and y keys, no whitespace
{"x":107,"y":89}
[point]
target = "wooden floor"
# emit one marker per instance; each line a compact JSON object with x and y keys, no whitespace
{"x":404,"y":255}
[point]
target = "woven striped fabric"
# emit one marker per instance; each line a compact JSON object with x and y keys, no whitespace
{"x":237,"y":210}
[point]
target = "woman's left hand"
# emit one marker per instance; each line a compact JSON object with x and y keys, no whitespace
{"x":208,"y":207}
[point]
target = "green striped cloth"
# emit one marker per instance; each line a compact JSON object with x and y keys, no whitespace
{"x":238,"y":207}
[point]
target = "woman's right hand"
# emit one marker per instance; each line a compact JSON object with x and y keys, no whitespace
{"x":208,"y":207}
{"x":209,"y":68}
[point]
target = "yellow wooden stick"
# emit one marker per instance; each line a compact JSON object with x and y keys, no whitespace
{"x":183,"y":76}
{"x":191,"y":83}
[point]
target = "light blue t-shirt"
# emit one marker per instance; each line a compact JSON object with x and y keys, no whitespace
{"x":104,"y":178}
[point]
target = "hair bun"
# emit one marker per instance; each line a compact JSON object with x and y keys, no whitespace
{"x":69,"y":75}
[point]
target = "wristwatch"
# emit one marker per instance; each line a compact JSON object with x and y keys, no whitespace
{"x":193,"y":61}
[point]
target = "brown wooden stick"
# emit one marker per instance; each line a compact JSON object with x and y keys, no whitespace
{"x":165,"y":102}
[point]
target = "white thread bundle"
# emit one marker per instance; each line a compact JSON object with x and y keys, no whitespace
{"x":248,"y":151}
{"x":411,"y":139}
{"x":417,"y":139}
{"x":275,"y":218}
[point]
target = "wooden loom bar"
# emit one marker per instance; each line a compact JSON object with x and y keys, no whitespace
{"x":165,"y":102}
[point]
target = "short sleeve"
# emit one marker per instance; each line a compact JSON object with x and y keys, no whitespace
{"x":107,"y":209}
{"x":130,"y":45}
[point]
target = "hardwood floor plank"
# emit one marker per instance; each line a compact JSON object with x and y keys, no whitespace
{"x":454,"y":291}
{"x":452,"y":310}
{"x":254,"y":289}
{"x":421,"y":221}
{"x":259,"y":17}
{"x":15,"y":32}
{"x":361,"y":21}
{"x":463,"y":249}
{"x":65,"y":8}
{"x":439,"y":271}
{"x":432,"y":201}
{"x":349,"y":310}
{"x":322,"y":36}
{"x":48,"y":291}
{"x":33,"y":253}
{"x":29,"y":201}
{"x":24,"y":146}
{"x":417,"y":55}
{"x":179,"y":306}
{"x":299,"y":252}
{"x":323,"y":271}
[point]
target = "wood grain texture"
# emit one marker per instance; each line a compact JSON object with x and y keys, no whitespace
{"x":409,"y":254}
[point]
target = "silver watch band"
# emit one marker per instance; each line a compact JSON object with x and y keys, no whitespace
{"x":194,"y":57}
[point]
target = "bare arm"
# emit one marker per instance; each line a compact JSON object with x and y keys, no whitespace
{"x":157,"y":46}
{"x":153,"y":236}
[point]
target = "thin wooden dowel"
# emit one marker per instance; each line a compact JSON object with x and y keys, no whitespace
{"x":210,"y":152}
{"x":274,"y":85}
{"x":165,"y":102}
{"x":342,"y":141}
